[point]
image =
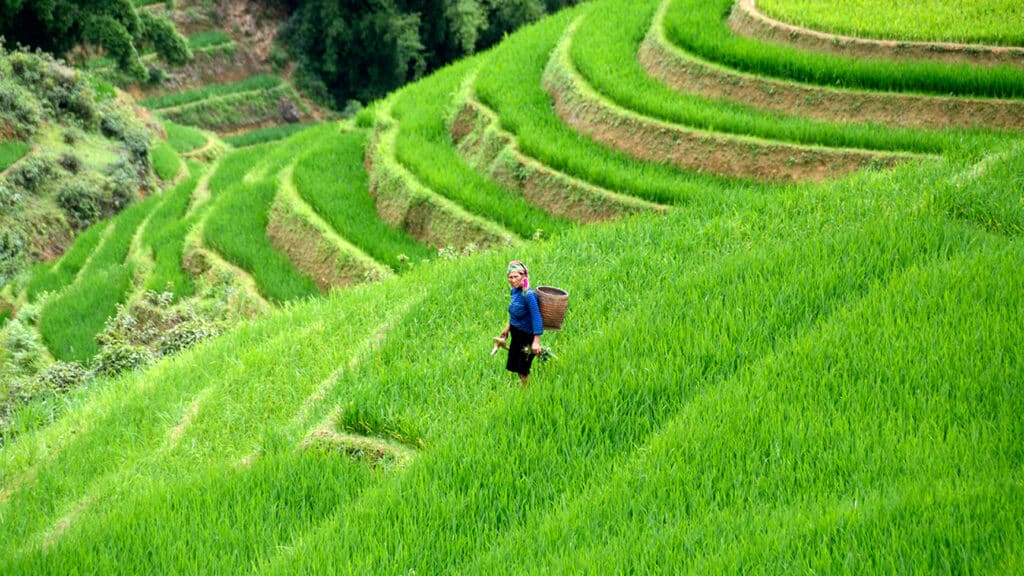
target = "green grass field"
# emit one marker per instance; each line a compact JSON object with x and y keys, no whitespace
{"x":764,"y":379}
{"x":984,"y":21}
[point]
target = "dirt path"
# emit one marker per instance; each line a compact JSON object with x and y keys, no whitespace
{"x":684,"y":73}
{"x":747,"y":21}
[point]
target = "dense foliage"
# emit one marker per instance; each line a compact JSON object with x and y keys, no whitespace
{"x":85,"y":156}
{"x":361,"y":50}
{"x":58,"y":26}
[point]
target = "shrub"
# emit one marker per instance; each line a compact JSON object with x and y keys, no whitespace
{"x":32,"y":174}
{"x":12,"y":252}
{"x":117,"y":123}
{"x":19,"y":106}
{"x":9,"y":196}
{"x":70,"y":162}
{"x":25,"y":352}
{"x":187,"y":334}
{"x":82,"y":201}
{"x":61,"y":376}
{"x":119,"y":357}
{"x":63,"y":89}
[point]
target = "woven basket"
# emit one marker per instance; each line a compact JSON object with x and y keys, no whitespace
{"x":552,"y":302}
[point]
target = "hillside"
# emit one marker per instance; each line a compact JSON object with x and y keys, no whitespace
{"x":791,"y":343}
{"x":72,"y":152}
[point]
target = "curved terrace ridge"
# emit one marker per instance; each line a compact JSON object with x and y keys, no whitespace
{"x":404,"y":202}
{"x":746,"y":20}
{"x":479,"y":139}
{"x":684,"y":72}
{"x":313,"y":247}
{"x":579,"y":106}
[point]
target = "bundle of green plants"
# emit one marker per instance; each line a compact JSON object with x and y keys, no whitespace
{"x":241,"y":110}
{"x":70,"y":321}
{"x":166,"y":163}
{"x":208,"y":38}
{"x":164,"y":236}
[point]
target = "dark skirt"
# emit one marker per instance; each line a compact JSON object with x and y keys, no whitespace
{"x":519,"y":361}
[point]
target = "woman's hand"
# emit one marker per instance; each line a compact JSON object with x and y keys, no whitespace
{"x":535,"y":348}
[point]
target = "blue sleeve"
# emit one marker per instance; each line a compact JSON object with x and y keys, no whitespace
{"x":535,"y":319}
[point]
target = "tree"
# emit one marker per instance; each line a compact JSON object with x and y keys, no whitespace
{"x":350,"y":49}
{"x":57,"y":26}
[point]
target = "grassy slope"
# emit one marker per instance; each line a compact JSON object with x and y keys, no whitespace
{"x":814,"y":378}
{"x":766,"y":380}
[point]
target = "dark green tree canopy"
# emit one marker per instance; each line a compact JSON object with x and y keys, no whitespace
{"x":362,"y":49}
{"x":57,"y":26}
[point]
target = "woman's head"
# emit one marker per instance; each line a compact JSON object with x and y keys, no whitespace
{"x":518,"y":275}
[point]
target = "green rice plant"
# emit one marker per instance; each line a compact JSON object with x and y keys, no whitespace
{"x":11,"y":151}
{"x":765,"y":365}
{"x":263,"y":135}
{"x":54,"y":276}
{"x":331,"y":179}
{"x":699,"y":27}
{"x":207,"y":39}
{"x":772,"y":380}
{"x":237,"y":222}
{"x":165,"y":236}
{"x":424,"y":146}
{"x":604,"y":49}
{"x":986,"y":21}
{"x":252,"y":83}
{"x":988,"y":193}
{"x":166,"y":162}
{"x":510,"y":84}
{"x":69,"y":322}
{"x":184,"y":139}
{"x":240,"y":109}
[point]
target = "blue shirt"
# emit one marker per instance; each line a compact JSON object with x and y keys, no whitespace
{"x":523,"y":312}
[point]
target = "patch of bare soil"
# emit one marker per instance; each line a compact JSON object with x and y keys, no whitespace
{"x":893,"y":109}
{"x":479,"y":141}
{"x":746,"y":20}
{"x":699,"y":151}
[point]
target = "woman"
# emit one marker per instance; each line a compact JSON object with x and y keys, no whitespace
{"x":524,"y":323}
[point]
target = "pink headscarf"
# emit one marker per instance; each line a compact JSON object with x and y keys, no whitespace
{"x":518,"y":266}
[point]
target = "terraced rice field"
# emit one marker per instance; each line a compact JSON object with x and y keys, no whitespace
{"x":792,"y":346}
